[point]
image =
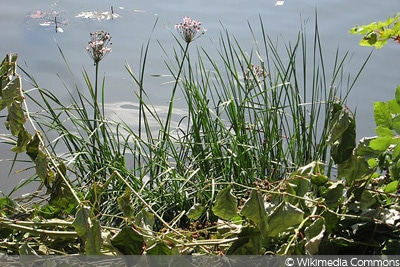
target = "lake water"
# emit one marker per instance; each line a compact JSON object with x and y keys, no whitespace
{"x":28,"y":30}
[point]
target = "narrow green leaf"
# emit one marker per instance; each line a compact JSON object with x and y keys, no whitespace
{"x":225,"y":206}
{"x":128,"y":241}
{"x":284,"y":217}
{"x":254,"y":210}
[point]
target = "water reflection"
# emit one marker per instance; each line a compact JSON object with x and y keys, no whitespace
{"x":128,"y":113}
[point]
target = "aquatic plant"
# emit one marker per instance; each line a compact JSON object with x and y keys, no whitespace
{"x":246,"y":171}
{"x":189,"y":28}
{"x":99,"y":45}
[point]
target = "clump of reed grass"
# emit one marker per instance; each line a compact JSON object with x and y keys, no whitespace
{"x":251,"y":115}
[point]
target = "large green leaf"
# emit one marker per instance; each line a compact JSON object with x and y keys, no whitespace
{"x":32,"y":148}
{"x":254,"y":210}
{"x":343,"y":147}
{"x":381,"y":143}
{"x":125,"y":203}
{"x":248,"y":242}
{"x":145,"y":219}
{"x":11,"y":92}
{"x":355,"y":168}
{"x":61,"y":195}
{"x":128,"y":241}
{"x":384,"y":132}
{"x":396,"y":123}
{"x":383,"y":117}
{"x":94,"y":242}
{"x":225,"y":206}
{"x":340,"y":122}
{"x":196,"y":211}
{"x":314,"y":235}
{"x":391,"y":187}
{"x":298,"y":186}
{"x":284,"y":217}
{"x":160,"y":248}
{"x":8,"y":66}
{"x":23,"y":139}
{"x":82,"y":222}
{"x":333,"y":194}
{"x":16,"y":118}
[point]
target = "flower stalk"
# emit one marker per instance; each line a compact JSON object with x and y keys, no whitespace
{"x":98,"y":47}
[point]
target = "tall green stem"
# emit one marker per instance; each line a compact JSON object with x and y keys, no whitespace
{"x":95,"y":110}
{"x":171,"y":103}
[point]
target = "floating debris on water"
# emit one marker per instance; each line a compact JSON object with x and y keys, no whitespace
{"x":105,"y":15}
{"x":48,"y":19}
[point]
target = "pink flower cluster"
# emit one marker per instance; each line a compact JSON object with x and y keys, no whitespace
{"x":99,"y":45}
{"x":189,"y":28}
{"x":255,"y":74}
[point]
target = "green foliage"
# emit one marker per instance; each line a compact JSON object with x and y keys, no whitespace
{"x":225,"y":206}
{"x":129,"y":241}
{"x":378,"y":33}
{"x":248,"y":170}
{"x":283,"y":218}
{"x":254,"y":210}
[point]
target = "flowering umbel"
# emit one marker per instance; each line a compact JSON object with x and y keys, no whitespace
{"x":189,"y":28}
{"x":99,"y":45}
{"x":255,"y":75}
